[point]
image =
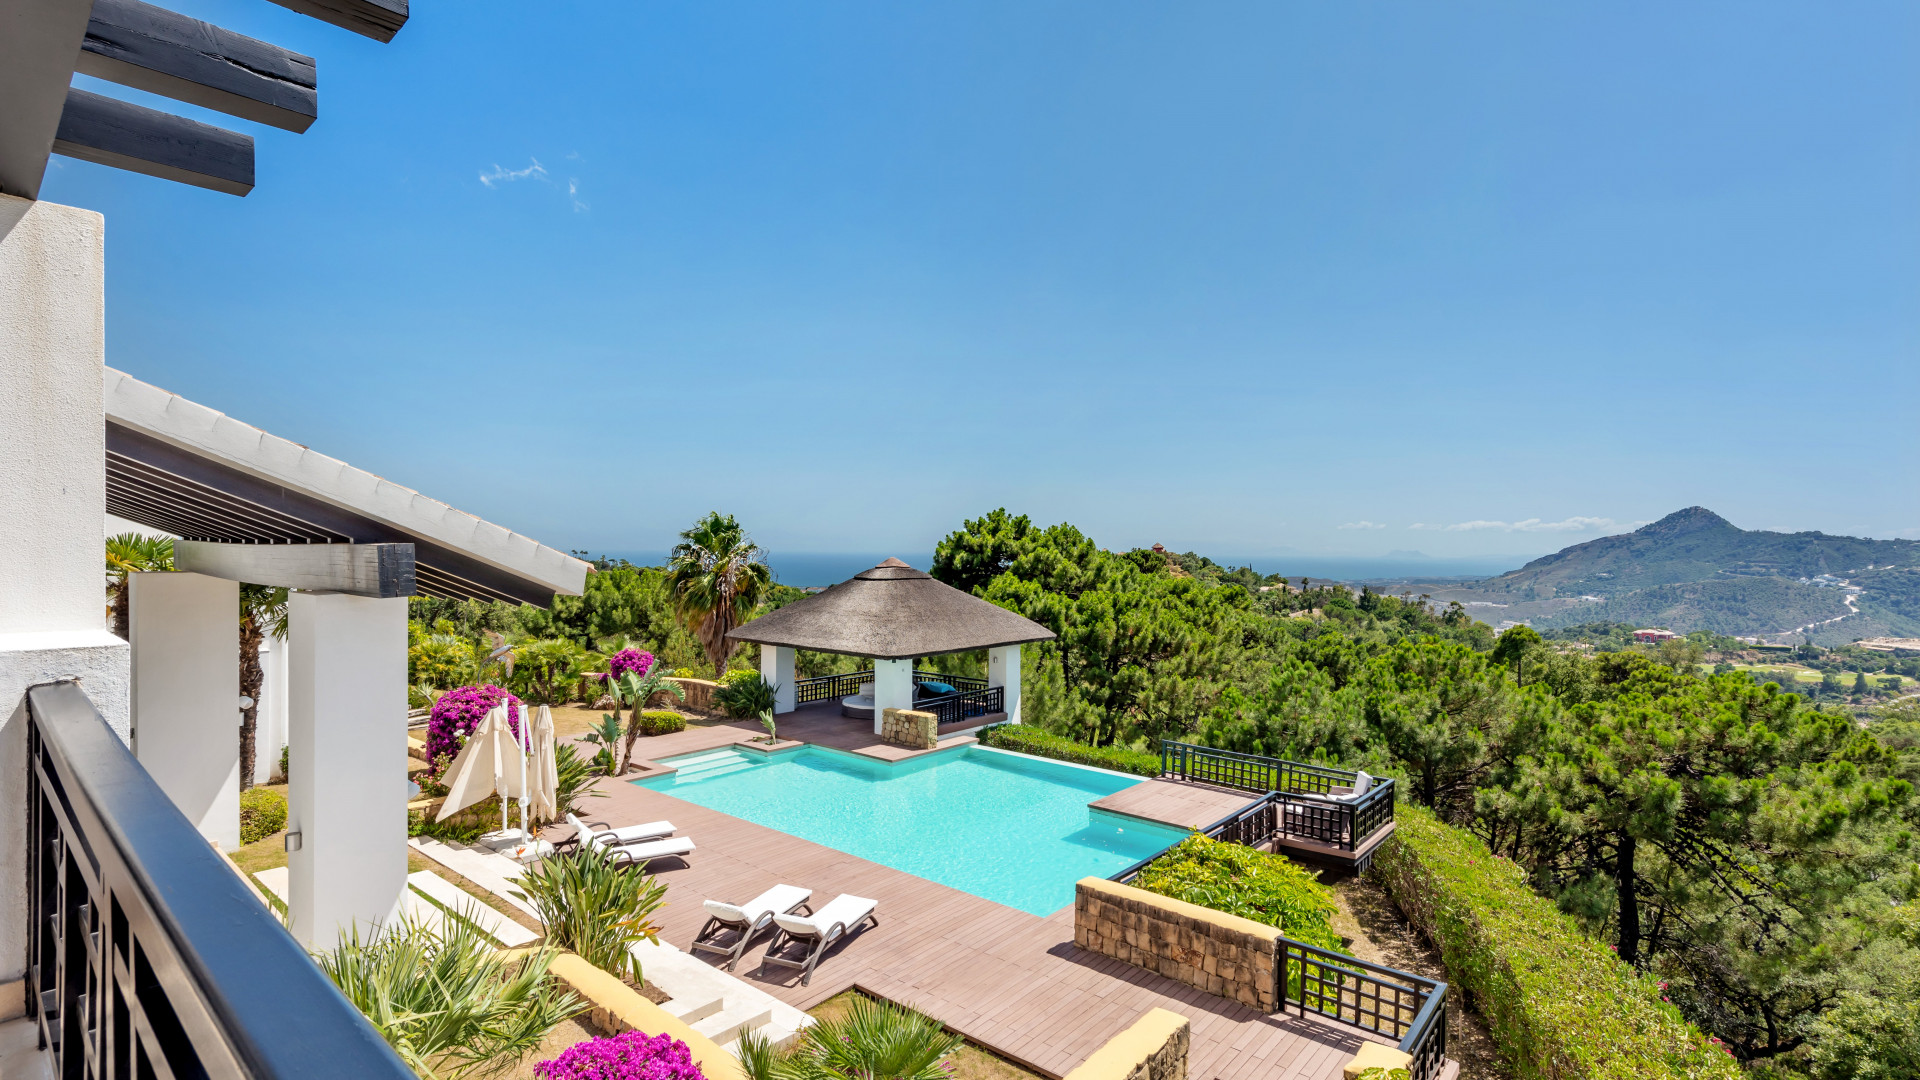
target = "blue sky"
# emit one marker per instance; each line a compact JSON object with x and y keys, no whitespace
{"x":1247,"y":278}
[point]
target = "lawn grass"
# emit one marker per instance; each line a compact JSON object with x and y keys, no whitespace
{"x":970,"y":1062}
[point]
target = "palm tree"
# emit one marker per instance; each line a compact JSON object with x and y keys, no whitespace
{"x":718,"y":576}
{"x":263,"y":611}
{"x":131,"y":553}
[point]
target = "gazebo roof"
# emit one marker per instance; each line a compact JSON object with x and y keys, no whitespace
{"x":891,"y":612}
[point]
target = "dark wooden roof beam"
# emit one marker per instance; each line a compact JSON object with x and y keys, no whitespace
{"x":107,"y":131}
{"x":377,"y":19}
{"x":163,"y":52}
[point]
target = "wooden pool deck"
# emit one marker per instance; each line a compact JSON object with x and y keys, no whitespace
{"x":1008,"y":980}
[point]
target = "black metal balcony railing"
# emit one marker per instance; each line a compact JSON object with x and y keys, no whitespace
{"x":1300,"y":802}
{"x":1375,"y":998}
{"x":973,"y":697}
{"x":148,"y":956}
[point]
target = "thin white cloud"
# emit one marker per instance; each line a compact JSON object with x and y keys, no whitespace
{"x":573,"y":195}
{"x":1362,"y":525}
{"x":497,"y":175}
{"x":1572,"y":524}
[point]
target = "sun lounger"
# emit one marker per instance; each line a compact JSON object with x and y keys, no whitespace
{"x":843,"y":915}
{"x":626,"y":834}
{"x":745,"y":921}
{"x":636,"y":853}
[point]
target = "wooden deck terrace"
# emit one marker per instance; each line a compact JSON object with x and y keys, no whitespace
{"x":1010,"y":981}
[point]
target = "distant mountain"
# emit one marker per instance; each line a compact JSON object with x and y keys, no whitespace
{"x":1695,"y":570}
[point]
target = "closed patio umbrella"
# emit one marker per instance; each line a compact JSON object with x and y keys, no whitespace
{"x":489,"y":764}
{"x":543,"y":771}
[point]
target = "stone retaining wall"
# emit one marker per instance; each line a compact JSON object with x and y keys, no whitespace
{"x":1208,"y":950}
{"x":699,"y":695}
{"x":907,"y":727}
{"x":1154,"y":1048}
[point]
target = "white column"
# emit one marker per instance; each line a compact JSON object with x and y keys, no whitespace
{"x":1003,"y":670}
{"x":185,"y":695}
{"x":53,"y":498}
{"x":892,"y":688}
{"x":347,"y":737}
{"x":776,"y":666}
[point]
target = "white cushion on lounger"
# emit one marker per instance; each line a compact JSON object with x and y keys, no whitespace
{"x":627,"y":834}
{"x":1361,"y":782}
{"x":775,"y":901}
{"x":654,"y":849}
{"x":845,"y":909}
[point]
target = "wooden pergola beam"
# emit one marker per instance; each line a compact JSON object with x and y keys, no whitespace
{"x":377,"y":570}
{"x":120,"y":134}
{"x":377,"y":19}
{"x":164,"y":52}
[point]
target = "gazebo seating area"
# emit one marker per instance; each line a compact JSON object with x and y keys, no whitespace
{"x":952,"y":698}
{"x":895,"y":615}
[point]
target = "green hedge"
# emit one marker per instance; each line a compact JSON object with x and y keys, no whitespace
{"x":661,"y":722}
{"x":1031,"y":740}
{"x":1560,"y":1005}
{"x":1252,"y":884}
{"x":262,"y":813}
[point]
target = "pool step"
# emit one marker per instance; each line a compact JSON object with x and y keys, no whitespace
{"x":709,"y":767}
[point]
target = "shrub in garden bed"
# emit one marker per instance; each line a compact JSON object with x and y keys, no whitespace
{"x":632,"y":1055}
{"x":262,"y":813}
{"x":458,"y":712}
{"x":1560,"y":1004}
{"x":661,"y":722}
{"x":595,"y":907}
{"x":1031,"y":740}
{"x":1240,"y":880}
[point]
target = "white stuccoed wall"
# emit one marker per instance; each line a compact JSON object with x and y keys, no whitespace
{"x":892,"y":688}
{"x":185,"y":695}
{"x":53,"y":498}
{"x":347,"y":790}
{"x":270,"y":723}
{"x":1003,"y":669}
{"x":776,"y":666}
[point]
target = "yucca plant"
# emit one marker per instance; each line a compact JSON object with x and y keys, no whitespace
{"x":606,"y":735}
{"x":445,"y":1000}
{"x":873,"y":1040}
{"x":747,"y":696}
{"x":596,"y":908}
{"x":573,"y":779}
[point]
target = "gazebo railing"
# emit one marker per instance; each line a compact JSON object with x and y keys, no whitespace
{"x":835,"y":687}
{"x":965,"y":705}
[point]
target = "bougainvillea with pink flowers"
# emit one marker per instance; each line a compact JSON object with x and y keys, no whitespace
{"x":458,"y":712}
{"x":634,"y":1055}
{"x":629,"y":660}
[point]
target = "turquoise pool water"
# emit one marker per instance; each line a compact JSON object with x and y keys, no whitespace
{"x":1011,"y":829}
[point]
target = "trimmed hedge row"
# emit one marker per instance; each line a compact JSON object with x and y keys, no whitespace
{"x":1031,"y":740}
{"x":1560,"y":1005}
{"x":661,"y":722}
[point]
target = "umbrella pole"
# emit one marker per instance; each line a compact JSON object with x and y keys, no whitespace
{"x":526,"y":745}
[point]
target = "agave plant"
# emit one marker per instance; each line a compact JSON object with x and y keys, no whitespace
{"x":873,"y":1040}
{"x":747,"y":696}
{"x":595,"y":907}
{"x":446,"y":1001}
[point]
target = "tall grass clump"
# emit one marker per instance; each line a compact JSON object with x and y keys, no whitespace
{"x":595,"y":907}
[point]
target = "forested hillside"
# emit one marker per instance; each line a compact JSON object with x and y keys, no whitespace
{"x":1751,"y":851}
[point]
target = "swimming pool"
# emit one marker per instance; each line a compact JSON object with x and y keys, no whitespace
{"x":1006,"y":827}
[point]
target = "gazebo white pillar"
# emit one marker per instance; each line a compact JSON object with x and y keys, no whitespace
{"x":186,"y":694}
{"x":346,"y":738}
{"x":892,"y":688}
{"x":776,"y":666}
{"x":1003,"y":670}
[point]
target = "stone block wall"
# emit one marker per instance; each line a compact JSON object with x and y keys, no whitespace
{"x":1153,"y":1048}
{"x":1209,"y":950}
{"x":699,"y":695}
{"x":907,"y":727}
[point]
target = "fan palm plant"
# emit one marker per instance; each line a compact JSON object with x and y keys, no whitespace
{"x":445,"y":1000}
{"x":718,"y":576}
{"x":131,"y":553}
{"x":873,"y":1040}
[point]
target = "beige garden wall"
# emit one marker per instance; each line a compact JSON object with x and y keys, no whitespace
{"x":1209,"y":950}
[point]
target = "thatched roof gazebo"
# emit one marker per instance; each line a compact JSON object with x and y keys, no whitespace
{"x":895,"y":614}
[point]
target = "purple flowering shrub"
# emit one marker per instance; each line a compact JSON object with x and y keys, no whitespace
{"x":634,"y":1055}
{"x":458,"y":712}
{"x":629,"y":660}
